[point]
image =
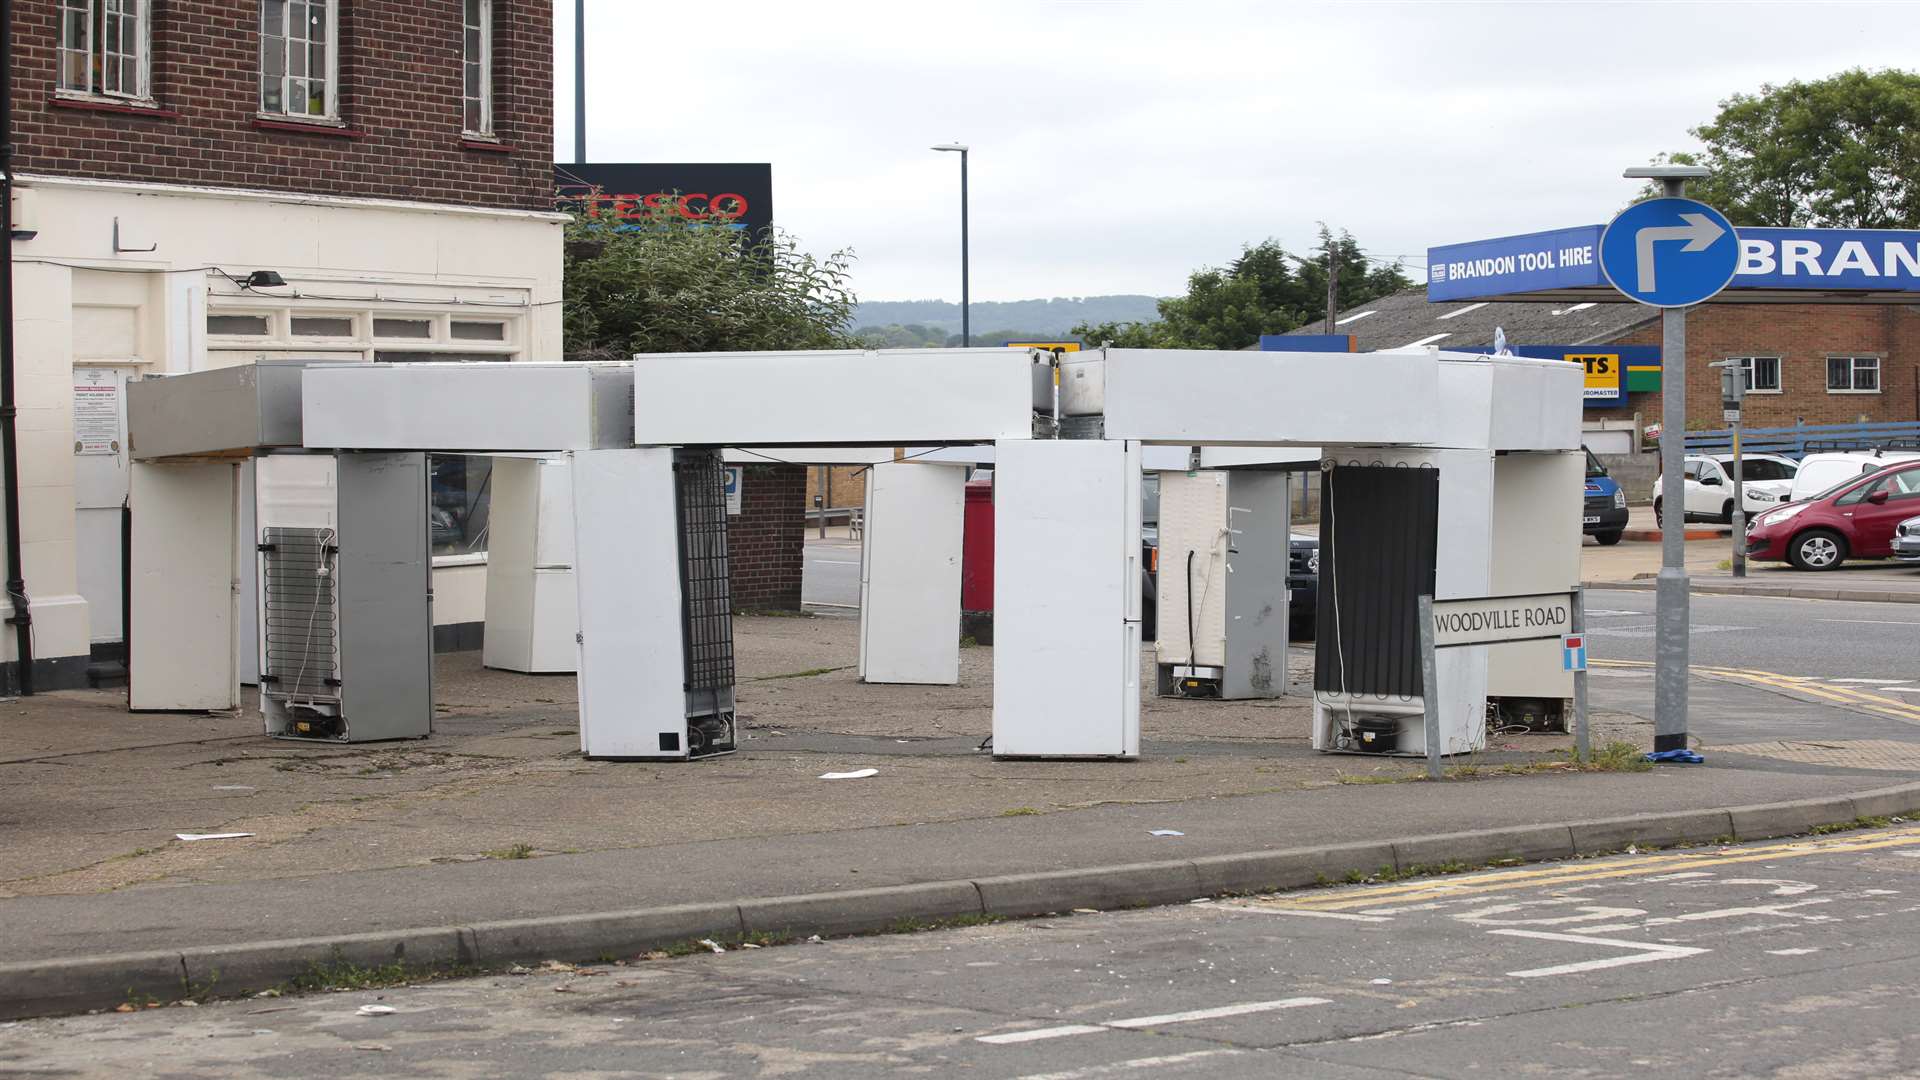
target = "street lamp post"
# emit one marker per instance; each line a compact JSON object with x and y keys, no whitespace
{"x":966,"y":324}
{"x":580,"y":82}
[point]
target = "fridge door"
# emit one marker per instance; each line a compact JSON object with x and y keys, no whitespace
{"x":910,"y":574}
{"x":1066,"y":654}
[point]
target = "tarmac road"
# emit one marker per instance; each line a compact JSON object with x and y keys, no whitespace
{"x":1793,"y":959}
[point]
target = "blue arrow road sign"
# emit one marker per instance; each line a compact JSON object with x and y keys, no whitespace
{"x":1669,"y":252}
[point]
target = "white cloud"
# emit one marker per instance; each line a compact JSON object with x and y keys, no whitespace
{"x":1118,"y":146}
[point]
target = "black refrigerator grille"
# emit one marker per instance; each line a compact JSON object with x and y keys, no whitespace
{"x":297,"y":570}
{"x":700,"y":485}
{"x":1379,"y":533}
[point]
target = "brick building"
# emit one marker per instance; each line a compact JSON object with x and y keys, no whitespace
{"x":766,"y":543}
{"x":1806,"y":363}
{"x":202,"y":183}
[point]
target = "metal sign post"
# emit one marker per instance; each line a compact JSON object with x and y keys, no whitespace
{"x":1429,"y":680}
{"x":1733,"y":392}
{"x":1671,"y":253}
{"x":1582,"y":746}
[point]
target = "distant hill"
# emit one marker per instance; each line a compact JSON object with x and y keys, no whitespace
{"x":1046,"y":317}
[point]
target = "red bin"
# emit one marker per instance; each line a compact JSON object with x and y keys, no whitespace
{"x":976,"y":548}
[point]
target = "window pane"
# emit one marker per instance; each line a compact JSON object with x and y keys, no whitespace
{"x":480,"y":331}
{"x":473,"y":12}
{"x":317,"y":22}
{"x":322,"y":326}
{"x":1839,"y":373}
{"x":245,"y":325}
{"x":1766,"y":373}
{"x":402,"y":328}
{"x":1866,"y":373}
{"x":270,"y":99}
{"x":297,"y":62}
{"x":458,"y":503}
{"x":471,"y":119}
{"x":273,"y":18}
{"x":401,"y":356}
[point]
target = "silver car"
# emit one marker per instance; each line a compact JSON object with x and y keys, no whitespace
{"x":1906,"y":540}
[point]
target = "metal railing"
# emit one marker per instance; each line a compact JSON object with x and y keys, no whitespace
{"x":1803,"y":439}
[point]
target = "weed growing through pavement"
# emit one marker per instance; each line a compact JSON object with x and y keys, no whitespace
{"x":807,"y":674}
{"x":517,"y":851}
{"x":1019,"y":811}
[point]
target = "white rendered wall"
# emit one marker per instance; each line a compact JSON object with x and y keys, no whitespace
{"x":910,"y":574}
{"x":1066,"y":598}
{"x":403,"y":258}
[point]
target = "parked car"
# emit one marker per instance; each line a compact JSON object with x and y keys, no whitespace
{"x":1819,"y":472}
{"x":1767,"y":482}
{"x":1604,"y":510}
{"x":1906,"y":540}
{"x":1855,"y":518}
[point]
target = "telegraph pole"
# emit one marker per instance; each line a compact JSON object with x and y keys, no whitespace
{"x":1333,"y":286}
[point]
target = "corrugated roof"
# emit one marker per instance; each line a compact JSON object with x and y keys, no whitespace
{"x":1393,"y":322}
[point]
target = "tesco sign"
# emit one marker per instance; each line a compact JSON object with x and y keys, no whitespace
{"x":737,"y":195}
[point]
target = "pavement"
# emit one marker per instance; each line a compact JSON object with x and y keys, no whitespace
{"x":1794,"y":959}
{"x":495,"y":842}
{"x":1635,"y":564}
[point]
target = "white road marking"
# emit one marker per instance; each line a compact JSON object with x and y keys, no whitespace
{"x":1876,"y":682}
{"x":1645,"y":952}
{"x":1790,"y":952}
{"x":1217,"y":1013}
{"x":1129,"y":1066}
{"x":1064,"y":1030}
{"x":1903,"y":689}
{"x":1323,"y":914}
{"x":1037,"y":1034}
{"x":1871,"y":622}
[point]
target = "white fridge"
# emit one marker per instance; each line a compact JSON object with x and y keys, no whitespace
{"x":1066,"y":587}
{"x":532,"y":603}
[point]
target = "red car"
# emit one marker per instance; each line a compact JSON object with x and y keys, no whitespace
{"x":1854,"y":519}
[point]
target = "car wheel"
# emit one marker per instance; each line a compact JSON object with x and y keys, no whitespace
{"x":1608,"y":539}
{"x":1659,"y":521}
{"x":1817,"y":549}
{"x":1726,"y":512}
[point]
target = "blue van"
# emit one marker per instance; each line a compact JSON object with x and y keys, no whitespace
{"x":1604,"y":511}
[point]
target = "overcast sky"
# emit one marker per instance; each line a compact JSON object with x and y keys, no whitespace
{"x":1117,"y":146}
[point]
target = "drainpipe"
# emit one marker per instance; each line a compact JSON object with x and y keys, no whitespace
{"x":22,"y":619}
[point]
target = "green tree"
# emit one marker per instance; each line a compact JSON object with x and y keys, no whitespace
{"x":1266,"y":290}
{"x":659,"y":281}
{"x":1840,"y":152}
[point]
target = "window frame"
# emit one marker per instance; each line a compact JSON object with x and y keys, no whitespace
{"x":94,"y":50}
{"x":485,"y":64}
{"x":1854,"y":368}
{"x":331,"y":102}
{"x":1746,"y":369}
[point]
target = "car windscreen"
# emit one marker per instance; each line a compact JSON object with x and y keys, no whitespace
{"x":1595,"y":470}
{"x":1763,"y":469}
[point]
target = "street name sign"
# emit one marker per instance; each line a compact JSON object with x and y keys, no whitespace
{"x":1490,"y":619}
{"x":1670,"y":252}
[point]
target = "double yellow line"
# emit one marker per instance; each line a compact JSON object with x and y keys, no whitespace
{"x":1863,"y":700}
{"x":1560,"y":874}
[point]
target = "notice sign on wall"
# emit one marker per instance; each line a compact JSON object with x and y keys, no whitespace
{"x":736,"y":476}
{"x":96,"y":412}
{"x":1483,"y":621}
